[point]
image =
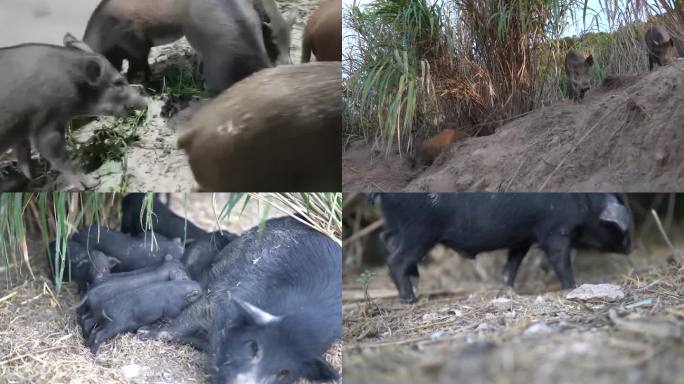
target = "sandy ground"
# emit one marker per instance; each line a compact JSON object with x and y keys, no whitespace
{"x":469,"y":328}
{"x":626,"y":136}
{"x":153,"y":163}
{"x":40,"y":340}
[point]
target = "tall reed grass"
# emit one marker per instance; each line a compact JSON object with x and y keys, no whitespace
{"x":415,"y":67}
{"x":55,"y":216}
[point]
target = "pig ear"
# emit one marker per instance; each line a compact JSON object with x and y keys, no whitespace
{"x":84,"y":261}
{"x":616,"y":214}
{"x":589,"y":60}
{"x":113,"y":262}
{"x":257,"y":315}
{"x":93,"y":70}
{"x":71,"y":42}
{"x":320,"y":370}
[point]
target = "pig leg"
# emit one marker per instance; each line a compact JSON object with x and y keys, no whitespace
{"x":403,"y":263}
{"x":22,"y":150}
{"x":138,"y":50}
{"x":650,"y":62}
{"x":115,"y":56}
{"x":558,"y":249}
{"x":515,"y":257}
{"x":51,"y":143}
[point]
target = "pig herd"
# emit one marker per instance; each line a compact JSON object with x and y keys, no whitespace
{"x":660,"y":50}
{"x":265,"y":305}
{"x":236,"y":139}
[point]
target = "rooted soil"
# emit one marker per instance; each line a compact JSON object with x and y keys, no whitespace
{"x":467,"y":327}
{"x":626,"y":136}
{"x":41,"y":342}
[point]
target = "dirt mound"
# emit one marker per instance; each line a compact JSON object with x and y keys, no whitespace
{"x":626,"y":136}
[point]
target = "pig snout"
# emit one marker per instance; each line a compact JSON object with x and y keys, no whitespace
{"x":117,"y":100}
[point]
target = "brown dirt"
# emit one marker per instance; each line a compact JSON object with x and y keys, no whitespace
{"x":469,"y":328}
{"x":365,"y":170}
{"x":626,"y":136}
{"x":40,"y":341}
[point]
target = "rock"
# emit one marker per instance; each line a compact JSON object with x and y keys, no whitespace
{"x":608,"y":292}
{"x":131,"y":370}
{"x":437,"y":335}
{"x":483,"y":327}
{"x":502,"y":303}
{"x":538,"y":328}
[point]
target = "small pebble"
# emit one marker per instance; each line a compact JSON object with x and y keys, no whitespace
{"x":131,"y":371}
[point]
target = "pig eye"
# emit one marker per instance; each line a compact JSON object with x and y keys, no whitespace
{"x":119,"y":82}
{"x":283,"y":373}
{"x":253,"y":348}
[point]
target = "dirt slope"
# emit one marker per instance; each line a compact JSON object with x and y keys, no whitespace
{"x":628,"y":135}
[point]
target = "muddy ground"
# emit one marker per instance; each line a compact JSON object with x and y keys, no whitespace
{"x":626,"y":136}
{"x":469,"y":328}
{"x":40,"y":341}
{"x":151,"y":162}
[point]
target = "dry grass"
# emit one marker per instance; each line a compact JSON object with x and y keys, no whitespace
{"x":41,"y":342}
{"x":487,"y":335}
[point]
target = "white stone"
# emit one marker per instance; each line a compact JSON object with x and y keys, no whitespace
{"x":608,"y":292}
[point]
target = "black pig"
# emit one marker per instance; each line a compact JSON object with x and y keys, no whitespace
{"x":85,"y":269}
{"x":200,"y":255}
{"x":272,"y":309}
{"x":164,"y":221}
{"x":145,"y":305}
{"x":133,"y":252}
{"x":471,"y":223}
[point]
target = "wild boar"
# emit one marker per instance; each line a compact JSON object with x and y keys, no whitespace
{"x":433,"y":146}
{"x":278,"y":130}
{"x":660,"y":46}
{"x":578,"y":70}
{"x":228,"y":36}
{"x":43,"y":86}
{"x":323,"y":33}
{"x":470,"y":223}
{"x":276,"y":29}
{"x":128,"y":29}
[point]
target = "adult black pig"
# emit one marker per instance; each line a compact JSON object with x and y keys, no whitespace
{"x":272,"y":309}
{"x":471,"y":223}
{"x":164,"y":221}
